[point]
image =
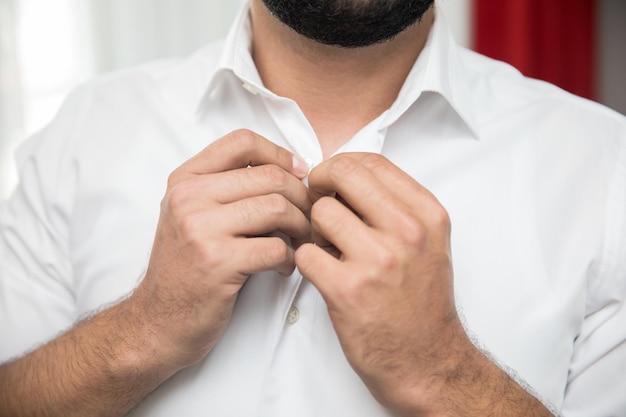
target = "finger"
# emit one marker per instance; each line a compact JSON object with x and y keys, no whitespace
{"x":263,"y":214}
{"x":358,"y":186}
{"x":319,"y":267}
{"x":262,"y":254}
{"x":418,"y":198}
{"x":230,"y":186}
{"x":335,"y":225}
{"x":240,"y":149}
{"x":396,"y":180}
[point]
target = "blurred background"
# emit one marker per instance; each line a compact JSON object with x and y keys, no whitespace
{"x":48,"y":47}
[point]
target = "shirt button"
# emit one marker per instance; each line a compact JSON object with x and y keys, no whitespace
{"x":293,"y":315}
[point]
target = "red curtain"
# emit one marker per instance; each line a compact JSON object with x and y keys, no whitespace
{"x":553,"y":40}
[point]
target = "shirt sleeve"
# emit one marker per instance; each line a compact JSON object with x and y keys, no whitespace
{"x":36,"y":295}
{"x":596,"y":385}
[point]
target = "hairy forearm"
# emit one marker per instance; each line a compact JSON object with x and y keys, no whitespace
{"x":467,"y":383}
{"x":104,"y":366}
{"x":479,"y":387}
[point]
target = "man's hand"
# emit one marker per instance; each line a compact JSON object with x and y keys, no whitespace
{"x":382,"y":262}
{"x":217,"y":208}
{"x":212,"y":234}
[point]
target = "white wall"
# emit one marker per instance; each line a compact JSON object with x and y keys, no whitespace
{"x":130,"y":32}
{"x":458,"y":15}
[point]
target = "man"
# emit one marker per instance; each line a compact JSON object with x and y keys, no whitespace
{"x":271,"y":290}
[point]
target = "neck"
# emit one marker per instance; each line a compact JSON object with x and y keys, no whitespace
{"x":339,"y":90}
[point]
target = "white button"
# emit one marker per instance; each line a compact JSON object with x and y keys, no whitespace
{"x":293,"y":315}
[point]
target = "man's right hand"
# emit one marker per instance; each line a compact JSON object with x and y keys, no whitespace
{"x":209,"y":240}
{"x":219,"y":208}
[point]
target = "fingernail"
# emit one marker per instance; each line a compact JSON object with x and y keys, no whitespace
{"x":300,"y":166}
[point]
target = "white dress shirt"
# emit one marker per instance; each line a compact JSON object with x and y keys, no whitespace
{"x":534,"y":180}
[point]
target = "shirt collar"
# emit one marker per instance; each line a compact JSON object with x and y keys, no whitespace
{"x":438,"y":69}
{"x":236,"y":58}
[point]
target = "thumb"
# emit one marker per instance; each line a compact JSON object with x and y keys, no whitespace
{"x":319,"y":267}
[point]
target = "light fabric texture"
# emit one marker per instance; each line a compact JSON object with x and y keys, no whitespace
{"x":534,"y":180}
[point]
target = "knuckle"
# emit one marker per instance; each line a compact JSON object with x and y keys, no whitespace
{"x":176,"y":198}
{"x":343,"y":166}
{"x":374,"y":161}
{"x":275,"y":175}
{"x":188,"y":226}
{"x":245,"y":210}
{"x":174,"y":178}
{"x":211,"y":253}
{"x":386,"y":260}
{"x":243,"y":138}
{"x":278,"y":204}
{"x":441,"y":217}
{"x":413,"y":231}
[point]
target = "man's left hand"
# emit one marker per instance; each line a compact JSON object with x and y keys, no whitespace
{"x":382,"y":262}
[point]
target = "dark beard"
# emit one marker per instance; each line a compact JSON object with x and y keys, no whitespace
{"x":348,"y":23}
